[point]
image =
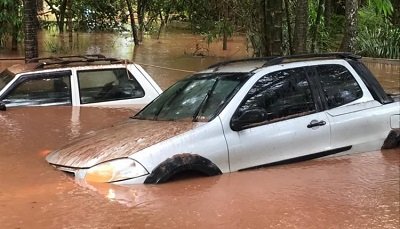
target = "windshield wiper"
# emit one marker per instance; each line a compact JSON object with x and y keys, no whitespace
{"x":204,"y":101}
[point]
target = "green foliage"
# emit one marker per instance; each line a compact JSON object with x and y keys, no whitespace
{"x":368,"y":17}
{"x":381,"y":42}
{"x":384,"y":7}
{"x":10,"y":20}
{"x":377,"y":37}
{"x":217,"y":30}
{"x":93,"y":15}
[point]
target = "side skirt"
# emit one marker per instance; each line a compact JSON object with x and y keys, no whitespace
{"x":303,"y":158}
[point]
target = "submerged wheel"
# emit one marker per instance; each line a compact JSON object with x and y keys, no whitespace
{"x":392,"y":140}
{"x":181,"y":163}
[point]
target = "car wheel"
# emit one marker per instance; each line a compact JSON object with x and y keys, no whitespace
{"x":392,"y":140}
{"x":181,"y":163}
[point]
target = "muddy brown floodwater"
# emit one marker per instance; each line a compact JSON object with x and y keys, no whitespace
{"x":357,"y":191}
{"x":352,"y":191}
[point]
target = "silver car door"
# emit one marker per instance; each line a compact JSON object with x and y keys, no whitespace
{"x":276,"y":121}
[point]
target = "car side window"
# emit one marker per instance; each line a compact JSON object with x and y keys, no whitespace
{"x":49,"y":90}
{"x":338,"y":85}
{"x":279,"y":95}
{"x":107,"y":85}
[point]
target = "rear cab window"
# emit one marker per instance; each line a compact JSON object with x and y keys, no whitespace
{"x":339,"y":86}
{"x":108,"y":85}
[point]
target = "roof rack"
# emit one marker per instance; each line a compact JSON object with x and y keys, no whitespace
{"x":299,"y":57}
{"x":217,"y":65}
{"x":274,"y":60}
{"x":65,"y":60}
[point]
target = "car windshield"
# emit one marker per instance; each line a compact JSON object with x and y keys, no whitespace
{"x":198,"y":98}
{"x":5,"y":78}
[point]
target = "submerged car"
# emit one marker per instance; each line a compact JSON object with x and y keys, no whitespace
{"x":90,"y":80}
{"x":238,"y":115}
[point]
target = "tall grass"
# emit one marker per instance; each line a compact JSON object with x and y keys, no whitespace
{"x":381,"y":42}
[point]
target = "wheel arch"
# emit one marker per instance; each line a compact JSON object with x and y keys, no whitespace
{"x":181,"y":163}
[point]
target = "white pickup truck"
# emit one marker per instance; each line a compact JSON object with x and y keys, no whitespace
{"x":91,"y":80}
{"x":242,"y":114}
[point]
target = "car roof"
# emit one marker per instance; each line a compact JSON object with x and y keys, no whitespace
{"x":37,"y":64}
{"x":252,"y":64}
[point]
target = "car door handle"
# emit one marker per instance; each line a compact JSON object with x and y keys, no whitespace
{"x":315,"y":123}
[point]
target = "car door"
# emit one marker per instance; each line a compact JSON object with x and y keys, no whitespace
{"x":277,"y":120}
{"x":357,"y":119}
{"x":39,"y":89}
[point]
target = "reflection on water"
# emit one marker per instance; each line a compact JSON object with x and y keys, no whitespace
{"x":357,"y":191}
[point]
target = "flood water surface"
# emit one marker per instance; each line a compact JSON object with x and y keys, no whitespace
{"x":354,"y":191}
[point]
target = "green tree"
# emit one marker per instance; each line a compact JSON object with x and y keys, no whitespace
{"x":10,"y":22}
{"x":58,"y":8}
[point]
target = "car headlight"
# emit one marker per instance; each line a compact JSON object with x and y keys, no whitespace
{"x":115,"y":170}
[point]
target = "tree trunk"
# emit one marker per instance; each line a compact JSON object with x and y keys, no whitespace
{"x":161,"y":25}
{"x":141,"y":10}
{"x":31,"y":43}
{"x":225,"y":8}
{"x":14,"y":40}
{"x":301,"y":27}
{"x":133,"y":23}
{"x":69,"y":22}
{"x":265,"y":29}
{"x":63,"y":8}
{"x":316,"y":25}
{"x":289,"y":27}
{"x":275,"y":16}
{"x":396,"y":13}
{"x":349,"y":39}
{"x":328,"y":15}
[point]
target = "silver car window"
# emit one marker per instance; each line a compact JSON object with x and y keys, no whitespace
{"x":279,"y":95}
{"x":108,"y":85}
{"x":40,"y":91}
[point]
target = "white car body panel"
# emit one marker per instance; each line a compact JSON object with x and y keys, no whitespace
{"x":368,"y":125}
{"x":276,"y":141}
{"x":205,"y":139}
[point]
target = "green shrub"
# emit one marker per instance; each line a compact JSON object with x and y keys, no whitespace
{"x":381,"y":42}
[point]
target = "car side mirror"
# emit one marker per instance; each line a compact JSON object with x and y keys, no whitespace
{"x":248,"y":117}
{"x":3,"y":106}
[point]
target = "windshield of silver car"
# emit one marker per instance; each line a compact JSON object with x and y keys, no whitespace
{"x":5,"y":78}
{"x":198,"y":98}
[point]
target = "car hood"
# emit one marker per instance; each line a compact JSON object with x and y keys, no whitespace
{"x":118,"y":141}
